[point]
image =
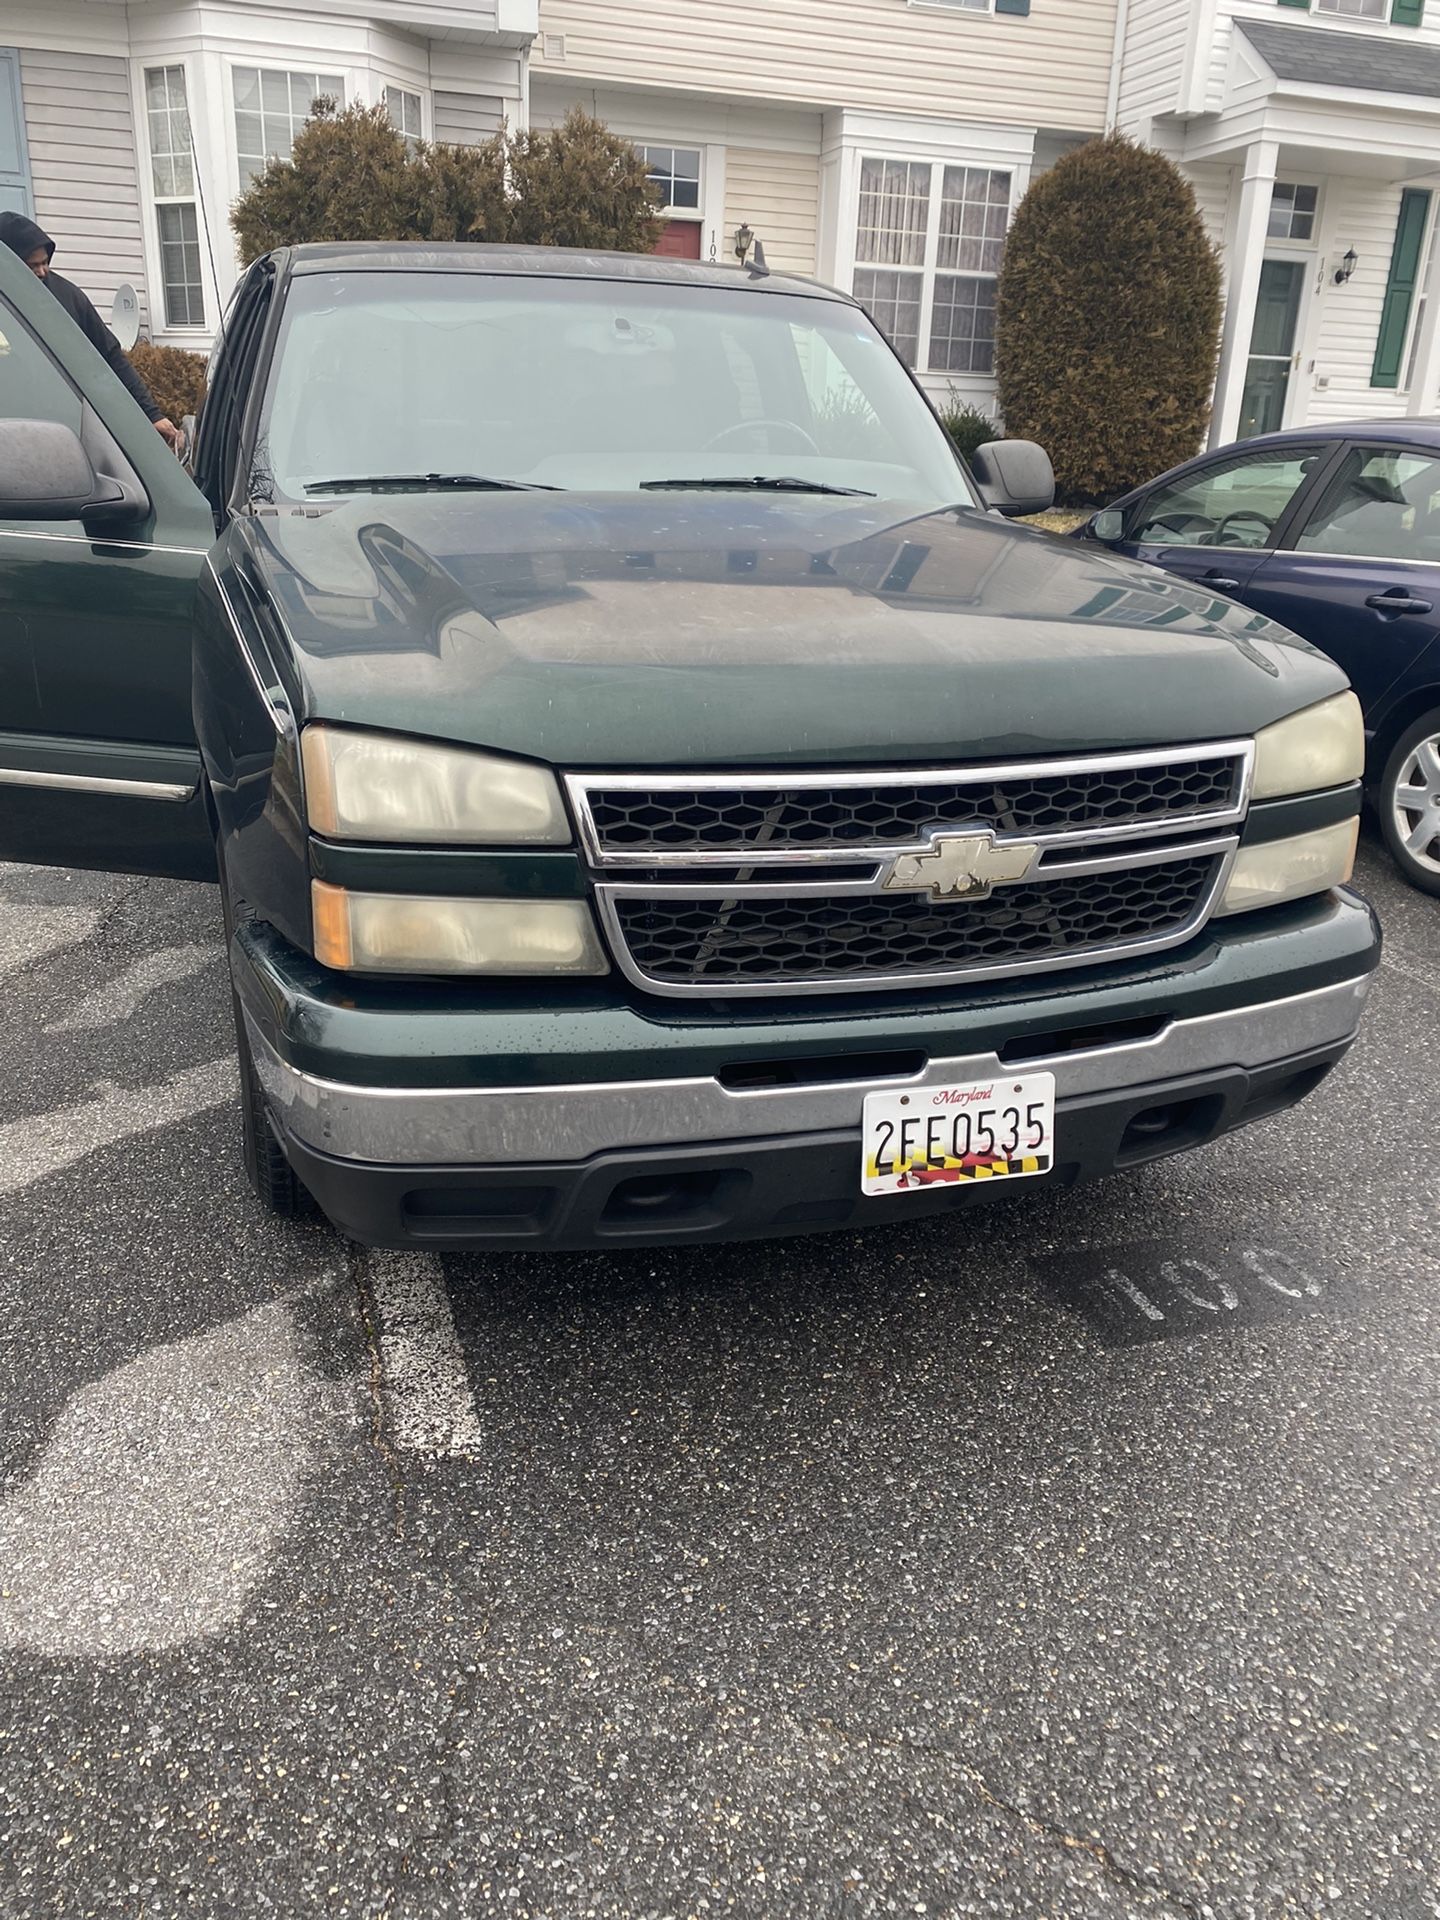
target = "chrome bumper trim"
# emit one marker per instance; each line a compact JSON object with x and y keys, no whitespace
{"x":488,"y":1126}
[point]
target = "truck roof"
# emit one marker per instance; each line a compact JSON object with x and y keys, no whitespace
{"x":559,"y":263}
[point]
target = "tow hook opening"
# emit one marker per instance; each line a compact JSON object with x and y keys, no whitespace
{"x":645,"y":1202}
{"x":1169,"y":1128}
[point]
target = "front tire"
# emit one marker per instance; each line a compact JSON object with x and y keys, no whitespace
{"x":273,"y":1180}
{"x":1409,"y":802}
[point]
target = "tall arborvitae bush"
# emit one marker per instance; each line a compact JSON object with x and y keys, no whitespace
{"x":1108,"y":319}
{"x":351,"y":176}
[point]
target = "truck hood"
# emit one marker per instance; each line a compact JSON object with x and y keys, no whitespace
{"x":730,"y":629}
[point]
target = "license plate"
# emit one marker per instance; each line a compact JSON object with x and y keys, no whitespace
{"x":947,"y":1136}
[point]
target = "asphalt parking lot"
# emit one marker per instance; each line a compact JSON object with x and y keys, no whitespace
{"x":1075,"y":1557}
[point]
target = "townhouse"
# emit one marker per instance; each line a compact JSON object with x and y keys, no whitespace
{"x":1310,"y":130}
{"x":880,"y":144}
{"x":127,"y":130}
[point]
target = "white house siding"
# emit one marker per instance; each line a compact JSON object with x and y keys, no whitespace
{"x":1051,"y":68}
{"x":83,"y":168}
{"x":477,"y":90}
{"x":1213,"y":185}
{"x":778,"y":196}
{"x":468,"y":119}
{"x":1152,"y":62}
{"x":777,"y":154}
{"x":1346,"y":320}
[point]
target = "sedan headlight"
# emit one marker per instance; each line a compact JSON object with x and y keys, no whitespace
{"x":414,"y":933}
{"x":1322,"y":746}
{"x":1280,"y":870}
{"x":379,"y":786}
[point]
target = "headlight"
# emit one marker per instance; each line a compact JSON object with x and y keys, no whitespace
{"x":1323,"y":746}
{"x":378,"y":786}
{"x":1280,"y":870}
{"x":412,"y":933}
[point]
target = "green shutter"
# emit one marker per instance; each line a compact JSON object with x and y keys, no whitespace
{"x":1407,"y":13}
{"x":1012,"y":6}
{"x":1400,"y":287}
{"x":1296,"y":3}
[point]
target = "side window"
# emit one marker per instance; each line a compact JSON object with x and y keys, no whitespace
{"x":1235,"y":503}
{"x":32,"y":387}
{"x":1383,"y":504}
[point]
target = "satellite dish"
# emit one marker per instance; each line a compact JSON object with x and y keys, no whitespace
{"x":125,"y":316}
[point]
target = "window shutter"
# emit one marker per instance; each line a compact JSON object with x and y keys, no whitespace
{"x":1012,"y":6}
{"x":1400,"y":287}
{"x":1296,"y":3}
{"x":1407,"y":13}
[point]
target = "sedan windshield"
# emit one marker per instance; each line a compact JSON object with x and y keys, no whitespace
{"x":598,"y":385}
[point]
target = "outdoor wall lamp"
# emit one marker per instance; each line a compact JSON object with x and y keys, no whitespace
{"x":1347,"y":266}
{"x":744,"y":240}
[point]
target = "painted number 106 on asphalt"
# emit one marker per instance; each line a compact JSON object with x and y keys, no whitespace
{"x":983,"y":1130}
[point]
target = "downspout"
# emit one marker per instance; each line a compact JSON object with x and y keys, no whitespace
{"x":1117,"y":55}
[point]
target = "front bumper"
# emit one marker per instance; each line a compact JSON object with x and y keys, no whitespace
{"x":485,"y":1140}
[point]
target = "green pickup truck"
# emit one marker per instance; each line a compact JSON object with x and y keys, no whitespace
{"x":657,"y":794}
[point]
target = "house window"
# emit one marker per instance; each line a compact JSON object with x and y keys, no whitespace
{"x":1356,"y":9}
{"x":270,"y":109}
{"x":172,"y":180}
{"x":890,"y":247}
{"x":676,"y":172}
{"x":1292,"y":211}
{"x":403,"y":107}
{"x":929,"y":244}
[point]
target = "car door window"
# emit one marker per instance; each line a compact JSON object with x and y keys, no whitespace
{"x":1383,"y":504}
{"x":1234,"y":503}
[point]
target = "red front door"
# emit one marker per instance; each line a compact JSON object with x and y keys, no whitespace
{"x":679,"y":240}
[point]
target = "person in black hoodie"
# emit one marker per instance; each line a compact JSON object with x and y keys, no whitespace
{"x":37,"y":250}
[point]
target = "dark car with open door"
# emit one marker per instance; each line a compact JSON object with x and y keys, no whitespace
{"x":656,"y":794}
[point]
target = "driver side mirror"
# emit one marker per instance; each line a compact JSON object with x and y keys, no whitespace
{"x":1015,"y":477}
{"x":1108,"y":525}
{"x":46,"y":474}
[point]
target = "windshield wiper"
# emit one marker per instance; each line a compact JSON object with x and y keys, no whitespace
{"x":761,"y":483}
{"x":428,"y":482}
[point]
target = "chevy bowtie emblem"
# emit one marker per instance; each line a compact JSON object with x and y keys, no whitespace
{"x":961,"y":866}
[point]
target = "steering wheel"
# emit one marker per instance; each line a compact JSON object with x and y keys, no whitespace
{"x":1267,"y":527}
{"x":1192,"y":526}
{"x":750,"y":426}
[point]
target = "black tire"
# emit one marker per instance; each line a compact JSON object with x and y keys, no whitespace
{"x":273,"y":1180}
{"x":1408,"y":802}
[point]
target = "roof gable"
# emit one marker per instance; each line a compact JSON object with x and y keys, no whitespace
{"x":1322,"y":57}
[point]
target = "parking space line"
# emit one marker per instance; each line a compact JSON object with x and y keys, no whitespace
{"x":429,"y":1399}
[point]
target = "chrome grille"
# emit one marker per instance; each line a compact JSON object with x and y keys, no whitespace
{"x":766,"y":883}
{"x":668,"y":817}
{"x":799,"y":940}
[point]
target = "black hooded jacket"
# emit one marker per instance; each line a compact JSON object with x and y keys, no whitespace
{"x":22,"y":236}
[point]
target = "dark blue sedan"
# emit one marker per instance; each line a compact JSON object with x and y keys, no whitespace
{"x":1334,"y":532}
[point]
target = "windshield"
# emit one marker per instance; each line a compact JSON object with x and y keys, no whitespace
{"x":602,"y":385}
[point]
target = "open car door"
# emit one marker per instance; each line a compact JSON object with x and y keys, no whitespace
{"x":102,"y":538}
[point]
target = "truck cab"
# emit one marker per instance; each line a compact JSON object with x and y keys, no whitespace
{"x":658,"y":793}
